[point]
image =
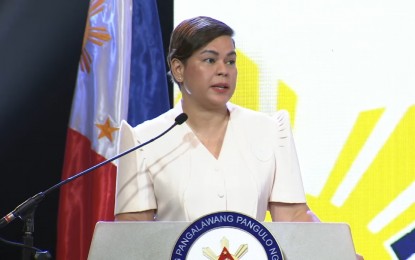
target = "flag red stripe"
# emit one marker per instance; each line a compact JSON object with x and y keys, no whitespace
{"x":85,"y":200}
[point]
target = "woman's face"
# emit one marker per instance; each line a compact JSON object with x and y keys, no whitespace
{"x":209,"y":75}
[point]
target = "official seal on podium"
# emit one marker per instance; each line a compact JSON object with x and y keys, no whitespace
{"x":226,"y":236}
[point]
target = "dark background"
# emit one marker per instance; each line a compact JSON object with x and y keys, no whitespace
{"x":40,"y":46}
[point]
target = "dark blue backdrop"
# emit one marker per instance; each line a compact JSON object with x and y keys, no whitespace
{"x":40,"y":46}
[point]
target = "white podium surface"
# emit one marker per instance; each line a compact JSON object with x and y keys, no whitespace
{"x":156,"y":240}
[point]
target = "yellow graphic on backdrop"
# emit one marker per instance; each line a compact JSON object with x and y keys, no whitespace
{"x":389,"y":174}
{"x":392,"y":171}
{"x":247,"y":90}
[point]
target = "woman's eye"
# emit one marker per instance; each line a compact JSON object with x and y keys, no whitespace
{"x":231,"y":62}
{"x":210,"y":60}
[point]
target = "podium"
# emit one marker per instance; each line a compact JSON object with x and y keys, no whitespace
{"x":156,"y":240}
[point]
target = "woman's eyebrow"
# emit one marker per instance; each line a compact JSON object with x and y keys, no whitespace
{"x":231,"y":53}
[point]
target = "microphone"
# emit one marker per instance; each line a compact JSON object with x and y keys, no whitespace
{"x":180,"y":119}
{"x":32,"y":202}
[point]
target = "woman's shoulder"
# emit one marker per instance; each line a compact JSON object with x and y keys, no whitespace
{"x":252,"y":117}
{"x":153,"y":127}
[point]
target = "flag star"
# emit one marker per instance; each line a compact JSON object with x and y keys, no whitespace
{"x":106,"y":130}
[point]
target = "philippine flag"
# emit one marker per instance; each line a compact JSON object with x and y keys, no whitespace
{"x":121,"y":75}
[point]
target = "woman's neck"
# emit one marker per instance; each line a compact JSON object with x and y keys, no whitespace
{"x":209,"y":126}
{"x":201,"y":118}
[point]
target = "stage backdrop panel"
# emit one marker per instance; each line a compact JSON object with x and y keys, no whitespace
{"x":345,"y":70}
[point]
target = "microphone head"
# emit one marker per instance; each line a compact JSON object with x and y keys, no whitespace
{"x":180,"y":119}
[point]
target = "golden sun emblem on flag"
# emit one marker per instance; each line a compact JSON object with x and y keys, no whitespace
{"x":94,"y":34}
{"x":225,"y":255}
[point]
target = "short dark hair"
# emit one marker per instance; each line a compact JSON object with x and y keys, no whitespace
{"x":194,"y":33}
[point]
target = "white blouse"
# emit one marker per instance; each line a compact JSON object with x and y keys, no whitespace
{"x":178,"y":177}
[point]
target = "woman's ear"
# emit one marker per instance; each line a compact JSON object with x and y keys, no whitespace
{"x":177,"y":69}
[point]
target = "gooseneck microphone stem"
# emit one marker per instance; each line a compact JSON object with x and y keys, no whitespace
{"x":31,"y":203}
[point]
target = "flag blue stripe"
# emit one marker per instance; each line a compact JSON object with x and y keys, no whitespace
{"x":148,"y":94}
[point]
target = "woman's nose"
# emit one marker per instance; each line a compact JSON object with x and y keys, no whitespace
{"x":222,"y":69}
